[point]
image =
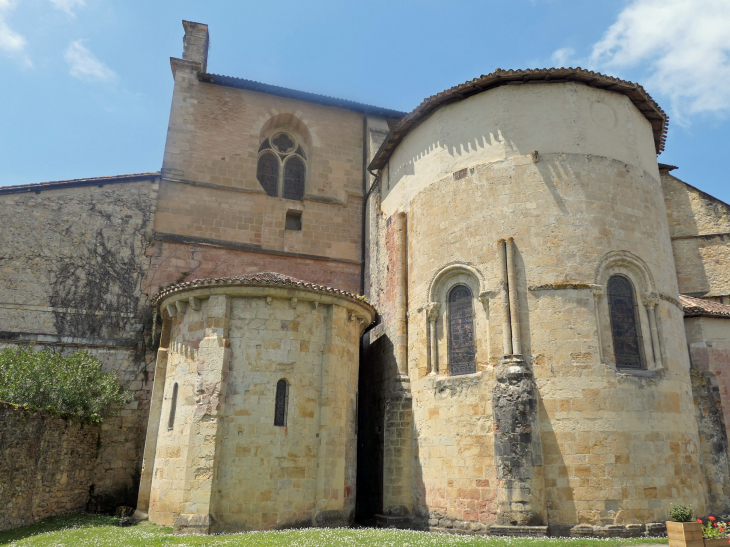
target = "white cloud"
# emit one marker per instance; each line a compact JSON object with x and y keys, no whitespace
{"x":562,"y":56}
{"x":684,"y":43}
{"x":85,"y":66}
{"x":12,"y":44}
{"x":68,"y":5}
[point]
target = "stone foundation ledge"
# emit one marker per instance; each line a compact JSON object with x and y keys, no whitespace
{"x":452,"y":526}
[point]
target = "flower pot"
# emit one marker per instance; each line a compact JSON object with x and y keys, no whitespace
{"x":685,"y":534}
{"x":717,"y":542}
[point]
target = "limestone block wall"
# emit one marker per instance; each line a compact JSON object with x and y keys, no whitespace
{"x":74,"y":260}
{"x":709,"y":351}
{"x":210,"y":193}
{"x":700,"y":230}
{"x":46,"y":465}
{"x":255,"y":474}
{"x":588,"y":205}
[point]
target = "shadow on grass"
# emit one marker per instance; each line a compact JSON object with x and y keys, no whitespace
{"x":54,"y":524}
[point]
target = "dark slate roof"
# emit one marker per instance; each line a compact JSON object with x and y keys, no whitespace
{"x":697,"y":307}
{"x":667,"y":167}
{"x":251,"y":85}
{"x":643,"y":101}
{"x":96,"y":181}
{"x":263,"y":279}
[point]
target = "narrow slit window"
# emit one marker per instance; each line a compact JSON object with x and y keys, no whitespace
{"x":462,"y":354}
{"x":173,"y":407}
{"x":294,"y":174}
{"x":267,"y":173}
{"x":625,"y":327}
{"x":282,"y":403}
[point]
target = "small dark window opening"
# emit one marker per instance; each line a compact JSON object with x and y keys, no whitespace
{"x":173,"y":407}
{"x":293,"y":221}
{"x":625,"y":328}
{"x":462,"y":353}
{"x":267,"y":172}
{"x":294,"y":175}
{"x":282,"y":402}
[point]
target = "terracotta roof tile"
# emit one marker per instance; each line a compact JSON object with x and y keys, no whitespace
{"x":638,"y":95}
{"x":695,"y":307}
{"x":263,"y":278}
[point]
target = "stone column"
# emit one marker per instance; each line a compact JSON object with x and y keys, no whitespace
{"x":597,"y":291}
{"x":401,"y":301}
{"x":204,"y":441}
{"x":433,"y":315}
{"x":650,"y":301}
{"x":503,"y":289}
{"x":513,"y":303}
{"x":517,"y":446}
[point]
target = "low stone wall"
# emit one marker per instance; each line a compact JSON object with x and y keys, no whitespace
{"x":46,"y":465}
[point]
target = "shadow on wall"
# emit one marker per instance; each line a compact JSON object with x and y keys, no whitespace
{"x":377,"y":368}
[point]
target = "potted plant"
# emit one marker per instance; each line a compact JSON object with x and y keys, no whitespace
{"x":682,"y":531}
{"x":714,"y":532}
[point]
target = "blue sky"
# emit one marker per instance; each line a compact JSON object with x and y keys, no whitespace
{"x":86,"y":84}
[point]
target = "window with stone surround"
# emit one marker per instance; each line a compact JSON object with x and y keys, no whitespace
{"x":173,"y":407}
{"x":625,"y":325}
{"x":462,"y":352}
{"x":282,"y":168}
{"x":282,"y":403}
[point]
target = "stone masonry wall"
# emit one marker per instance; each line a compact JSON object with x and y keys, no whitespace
{"x":700,"y":230}
{"x":72,"y":264}
{"x":46,"y":465}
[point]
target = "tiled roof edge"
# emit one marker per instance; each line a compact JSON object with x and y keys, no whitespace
{"x":636,"y":93}
{"x":698,"y":307}
{"x":38,"y":187}
{"x":271,"y":279}
{"x":241,"y":83}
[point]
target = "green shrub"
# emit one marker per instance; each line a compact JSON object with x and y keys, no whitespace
{"x":681,"y":513}
{"x":74,"y":385}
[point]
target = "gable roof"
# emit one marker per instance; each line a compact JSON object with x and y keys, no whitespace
{"x":38,"y":187}
{"x":324,"y":100}
{"x":638,"y":95}
{"x":697,"y":307}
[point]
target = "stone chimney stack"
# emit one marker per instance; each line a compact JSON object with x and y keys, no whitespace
{"x":195,"y":44}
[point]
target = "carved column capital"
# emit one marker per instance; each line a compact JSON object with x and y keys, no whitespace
{"x":650,"y":299}
{"x":432,"y":309}
{"x":484,"y":297}
{"x":597,"y":291}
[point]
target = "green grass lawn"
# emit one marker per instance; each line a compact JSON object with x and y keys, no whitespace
{"x":101,"y":531}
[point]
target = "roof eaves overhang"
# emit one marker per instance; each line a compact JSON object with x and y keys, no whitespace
{"x":637,"y":94}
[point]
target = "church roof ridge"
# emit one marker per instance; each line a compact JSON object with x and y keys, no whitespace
{"x":635,"y":92}
{"x":70,"y":183}
{"x":696,"y":307}
{"x":326,"y":100}
{"x":260,"y":278}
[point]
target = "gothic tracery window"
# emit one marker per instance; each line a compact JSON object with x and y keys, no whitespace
{"x":282,"y":169}
{"x":282,"y":402}
{"x":462,"y":353}
{"x":625,"y":328}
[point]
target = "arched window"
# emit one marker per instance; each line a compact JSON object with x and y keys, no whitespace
{"x":294,"y":178}
{"x":282,"y":402}
{"x":282,"y":168}
{"x":268,"y":173}
{"x":462,"y":353}
{"x":625,"y":328}
{"x":173,"y":406}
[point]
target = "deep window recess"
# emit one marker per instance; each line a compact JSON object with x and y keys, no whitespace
{"x":282,"y":168}
{"x":268,"y":173}
{"x":461,"y":331}
{"x":173,"y":407}
{"x":625,"y":328}
{"x":282,"y":402}
{"x":293,"y":221}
